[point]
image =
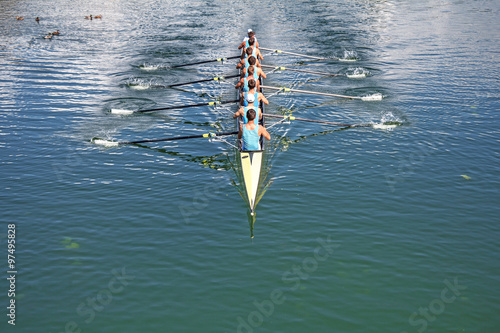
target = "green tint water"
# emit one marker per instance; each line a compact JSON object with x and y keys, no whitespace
{"x":362,"y":230}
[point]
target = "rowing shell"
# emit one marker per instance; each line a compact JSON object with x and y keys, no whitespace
{"x":251,"y":162}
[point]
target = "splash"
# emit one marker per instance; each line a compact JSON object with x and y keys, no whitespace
{"x":388,"y":122}
{"x":357,"y":73}
{"x":143,"y":84}
{"x":349,"y":55}
{"x":152,"y":67}
{"x":373,"y":97}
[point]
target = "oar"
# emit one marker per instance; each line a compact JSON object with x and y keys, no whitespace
{"x":374,"y":97}
{"x":292,"y":53}
{"x":217,"y":78}
{"x":310,"y":120}
{"x":114,"y":143}
{"x":121,"y":111}
{"x":206,"y":61}
{"x":387,"y":125}
{"x":280,"y":68}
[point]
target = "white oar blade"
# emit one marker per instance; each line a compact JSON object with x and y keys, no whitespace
{"x":374,"y":97}
{"x":105,"y":143}
{"x":356,"y":76}
{"x":121,"y":111}
{"x":384,"y":126}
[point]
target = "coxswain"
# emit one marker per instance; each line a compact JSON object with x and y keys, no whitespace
{"x":252,"y":96}
{"x":244,"y":44}
{"x":251,"y":132}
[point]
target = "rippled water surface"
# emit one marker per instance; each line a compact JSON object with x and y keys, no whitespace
{"x":362,"y":230}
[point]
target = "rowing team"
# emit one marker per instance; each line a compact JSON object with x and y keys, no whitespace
{"x":250,"y":131}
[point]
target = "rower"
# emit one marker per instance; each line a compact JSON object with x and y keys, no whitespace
{"x":255,"y":50}
{"x":251,"y":73}
{"x":252,"y":63}
{"x":246,"y":62}
{"x":243,"y":113}
{"x":250,"y":133}
{"x":244,"y":44}
{"x":252,"y":96}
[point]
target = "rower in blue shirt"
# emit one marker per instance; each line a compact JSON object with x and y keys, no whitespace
{"x":251,"y":74}
{"x":243,"y":111}
{"x":252,"y":96}
{"x":250,"y":133}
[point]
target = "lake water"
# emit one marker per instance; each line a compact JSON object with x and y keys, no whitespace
{"x":362,"y":230}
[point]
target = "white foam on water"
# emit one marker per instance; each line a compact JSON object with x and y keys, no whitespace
{"x":357,"y":73}
{"x":152,"y":67}
{"x":349,"y":56}
{"x":149,"y":67}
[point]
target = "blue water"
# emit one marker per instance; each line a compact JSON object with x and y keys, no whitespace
{"x":362,"y":230}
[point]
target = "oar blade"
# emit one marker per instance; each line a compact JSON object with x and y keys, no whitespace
{"x":373,"y":97}
{"x":121,"y":111}
{"x":105,"y":143}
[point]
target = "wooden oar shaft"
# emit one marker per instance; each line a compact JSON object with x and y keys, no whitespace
{"x":300,"y":70}
{"x":308,"y":120}
{"x":186,"y":106}
{"x":311,"y":92}
{"x":205,"y":61}
{"x":292,"y":53}
{"x":206,"y":135}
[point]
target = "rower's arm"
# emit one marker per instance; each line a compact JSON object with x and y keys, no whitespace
{"x":264,"y":76}
{"x":242,"y":45}
{"x":239,"y":84}
{"x":264,"y":132}
{"x":237,"y":114}
{"x":240,"y":133}
{"x":259,"y":55}
{"x":263,"y":99}
{"x":241,"y":63}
